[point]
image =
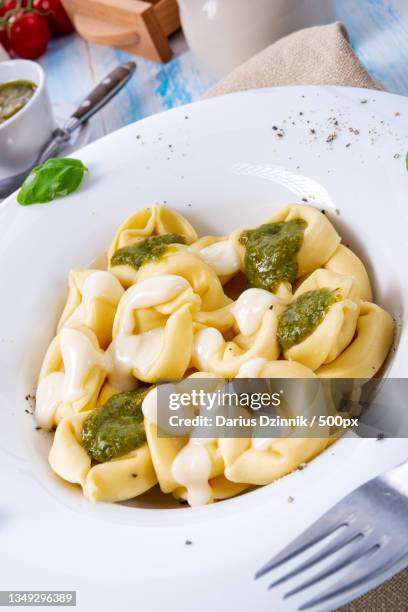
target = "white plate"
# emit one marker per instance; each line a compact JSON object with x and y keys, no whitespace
{"x":222,"y":164}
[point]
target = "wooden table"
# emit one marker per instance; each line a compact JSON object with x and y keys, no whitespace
{"x":378,"y":30}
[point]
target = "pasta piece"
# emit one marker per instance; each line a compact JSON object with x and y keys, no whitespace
{"x":257,"y":325}
{"x":344,"y":261}
{"x":67,"y":456}
{"x":366,"y":354}
{"x":182,"y":262}
{"x":122,"y":478}
{"x":314,"y":339}
{"x":318,"y":241}
{"x":260,"y":467}
{"x":71,"y":376}
{"x":115,"y":480}
{"x":246,"y":312}
{"x":324,"y":278}
{"x":152,"y":221}
{"x":92,"y":300}
{"x":184,"y":465}
{"x":149,"y":353}
{"x":220,"y":254}
{"x":221,"y":488}
{"x":260,"y":461}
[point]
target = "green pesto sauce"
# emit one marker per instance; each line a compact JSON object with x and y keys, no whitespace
{"x":116,"y":427}
{"x":271,"y":253}
{"x":13,"y":96}
{"x":302,"y":317}
{"x":150,"y":249}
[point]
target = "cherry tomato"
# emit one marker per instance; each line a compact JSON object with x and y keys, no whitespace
{"x":58,"y":19}
{"x":28,"y":34}
{"x":11,"y":5}
{"x":4,"y":39}
{"x":8,"y":6}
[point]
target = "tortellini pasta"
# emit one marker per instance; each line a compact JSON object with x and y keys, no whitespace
{"x":116,"y":480}
{"x":283,"y":300}
{"x":257,"y":338}
{"x":143,"y":225}
{"x":183,"y":262}
{"x":153,"y":331}
{"x":262,"y":460}
{"x":155,"y":220}
{"x":320,"y":341}
{"x":71,"y":376}
{"x":92,"y":301}
{"x":320,"y":239}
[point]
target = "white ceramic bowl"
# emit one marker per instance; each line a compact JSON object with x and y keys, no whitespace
{"x":24,"y":135}
{"x":221,"y":164}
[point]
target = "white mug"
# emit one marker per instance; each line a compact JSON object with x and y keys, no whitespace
{"x":224,"y":33}
{"x":24,"y":135}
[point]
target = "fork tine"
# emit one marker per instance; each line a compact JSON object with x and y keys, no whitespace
{"x":372,"y":567}
{"x":327,"y":524}
{"x":337,"y":544}
{"x":367,"y":546}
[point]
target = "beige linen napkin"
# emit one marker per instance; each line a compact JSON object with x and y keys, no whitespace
{"x":316,"y":56}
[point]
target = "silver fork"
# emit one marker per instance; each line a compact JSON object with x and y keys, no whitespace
{"x":367,"y":532}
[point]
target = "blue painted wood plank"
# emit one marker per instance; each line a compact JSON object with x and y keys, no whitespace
{"x":154,"y":87}
{"x":379,"y":35}
{"x":69,"y":75}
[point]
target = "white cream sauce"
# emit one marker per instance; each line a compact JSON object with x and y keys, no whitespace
{"x":222,"y":257}
{"x":148,"y":293}
{"x":192,"y":469}
{"x":79,"y":356}
{"x":207,"y":342}
{"x":262,"y":444}
{"x":248,"y":311}
{"x":149,"y":406}
{"x":134,"y":353}
{"x":48,"y":396}
{"x":250,"y":308}
{"x":251,"y":368}
{"x":99,"y":285}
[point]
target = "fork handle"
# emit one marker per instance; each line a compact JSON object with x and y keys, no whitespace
{"x":101,"y":95}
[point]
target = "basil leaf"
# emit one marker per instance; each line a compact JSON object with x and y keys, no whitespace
{"x":56,"y":178}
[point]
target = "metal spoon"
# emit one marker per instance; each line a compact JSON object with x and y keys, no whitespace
{"x":101,"y":95}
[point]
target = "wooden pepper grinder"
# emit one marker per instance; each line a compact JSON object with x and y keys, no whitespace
{"x":136,"y":26}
